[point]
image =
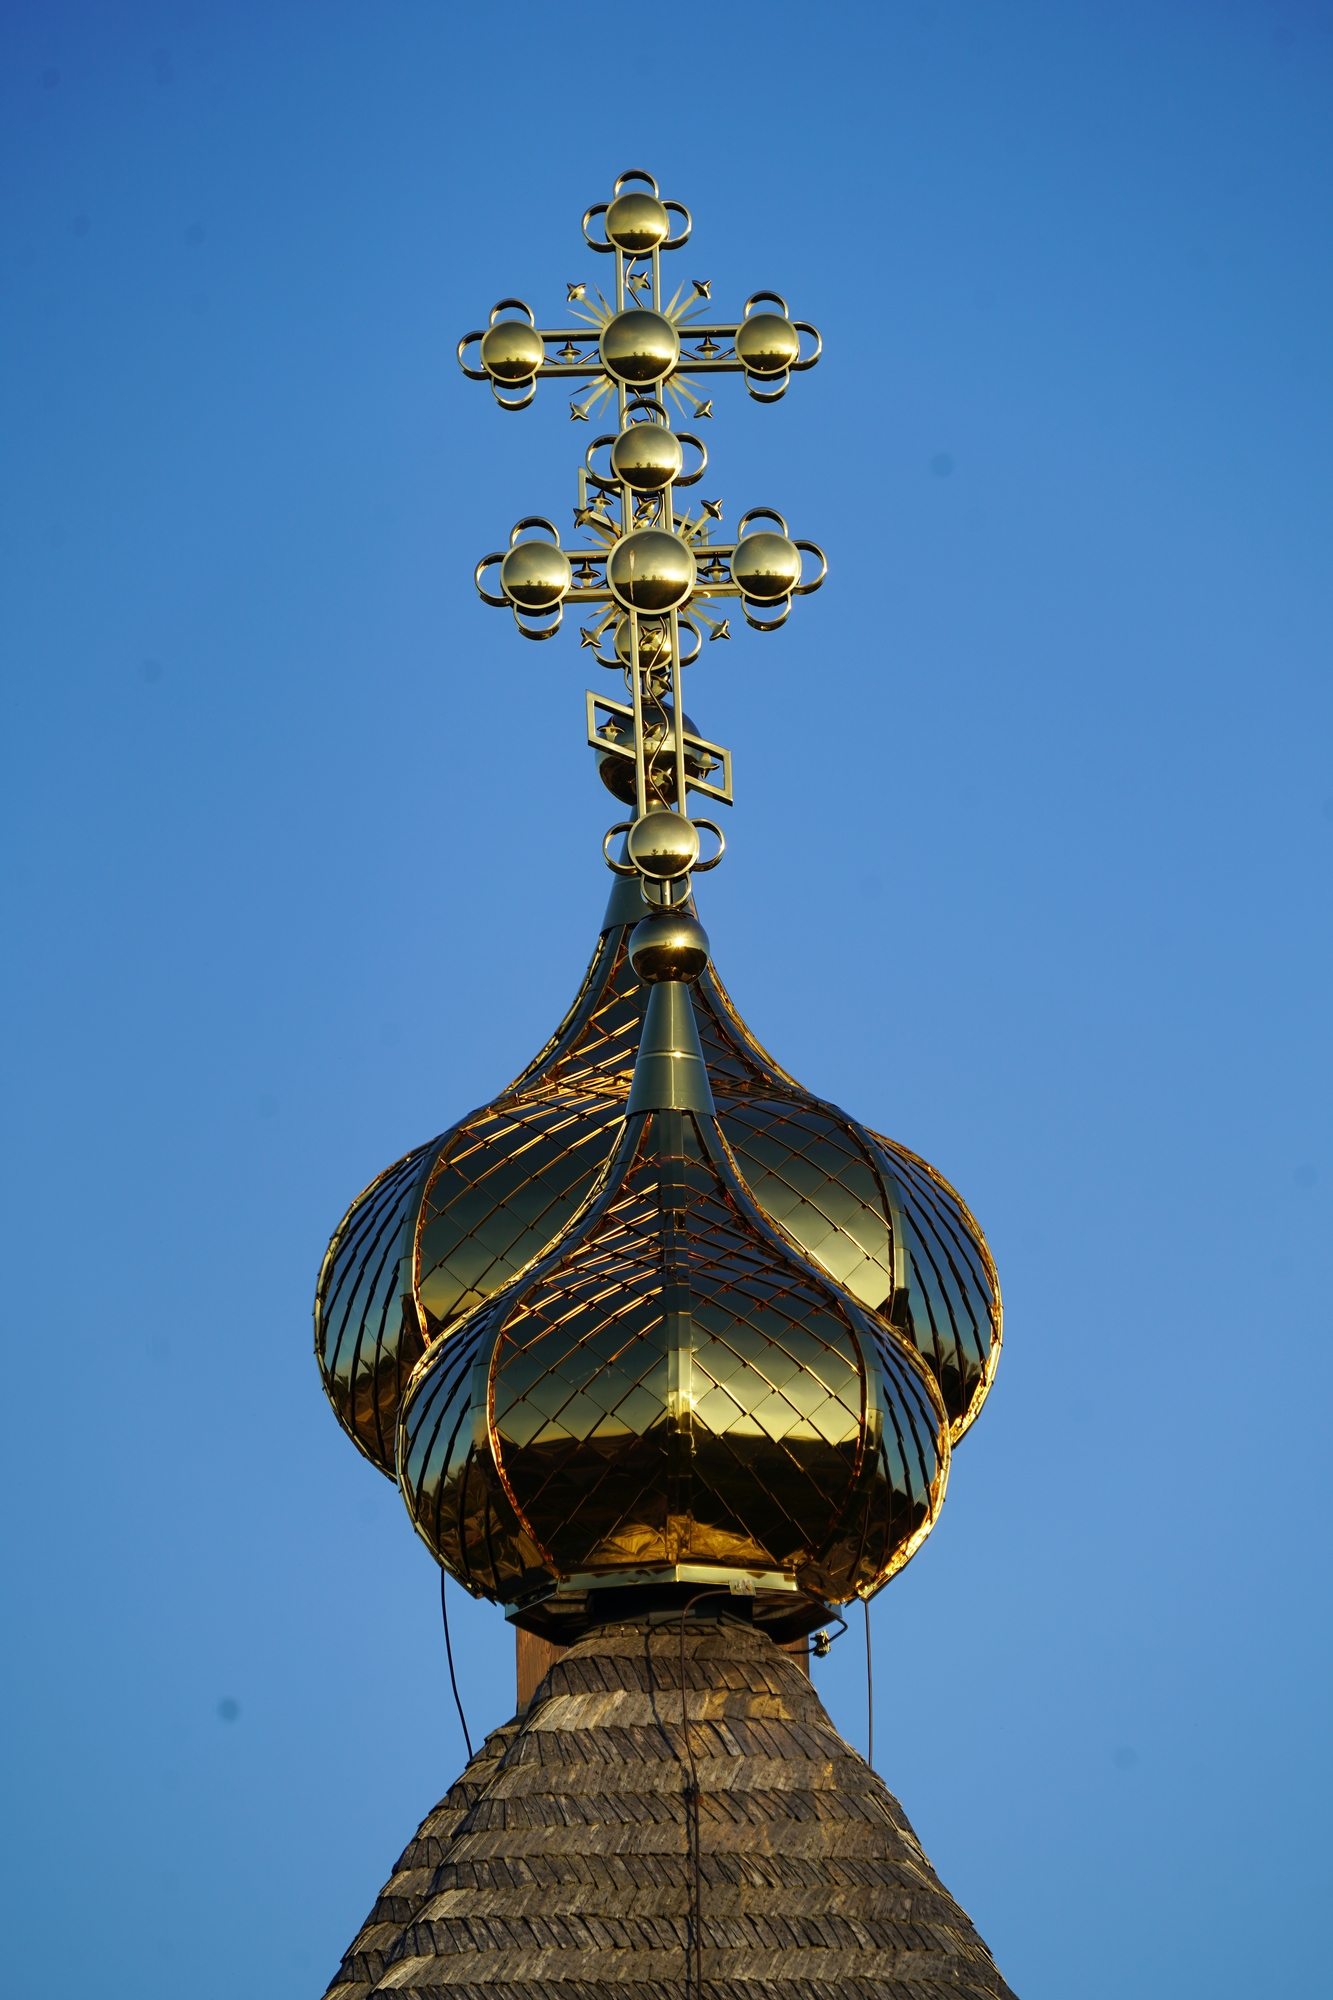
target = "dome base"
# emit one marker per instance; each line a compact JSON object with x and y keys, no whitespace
{"x":572,"y":1857}
{"x":572,"y":1609}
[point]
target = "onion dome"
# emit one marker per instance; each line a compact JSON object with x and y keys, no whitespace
{"x":443,"y":1230}
{"x":671,"y":1386}
{"x":574,"y":1855}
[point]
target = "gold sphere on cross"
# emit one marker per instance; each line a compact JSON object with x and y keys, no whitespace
{"x":637,"y":222}
{"x":767,"y":344}
{"x":767,"y":567}
{"x":647,"y":457}
{"x":663,"y":845}
{"x":651,"y":571}
{"x":639,"y":346}
{"x":512,"y":351}
{"x":535,"y":575}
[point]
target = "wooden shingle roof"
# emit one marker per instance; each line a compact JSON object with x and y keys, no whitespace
{"x":558,"y":1867}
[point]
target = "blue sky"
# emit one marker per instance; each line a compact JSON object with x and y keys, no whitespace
{"x":1029,"y":867}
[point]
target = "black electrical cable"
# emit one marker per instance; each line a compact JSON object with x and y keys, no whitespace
{"x":870,"y":1693}
{"x":694,"y":1952}
{"x":694,"y":1926}
{"x":449,"y":1655}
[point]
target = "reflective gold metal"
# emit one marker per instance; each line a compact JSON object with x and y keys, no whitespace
{"x":512,"y":351}
{"x":673,"y":344}
{"x":656,"y":1315}
{"x":702,"y":867}
{"x":535,"y":578}
{"x":767,"y":567}
{"x":646,"y":569}
{"x":884,"y":1228}
{"x":637,"y":222}
{"x":663,"y":844}
{"x":668,"y":945}
{"x":650,"y":570}
{"x":648,"y":457}
{"x":639,"y":347}
{"x":536,"y":575}
{"x":671,"y":1383}
{"x":768,"y":344}
{"x":608,"y":839}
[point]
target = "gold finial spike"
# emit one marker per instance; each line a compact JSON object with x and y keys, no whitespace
{"x":670,"y":1074}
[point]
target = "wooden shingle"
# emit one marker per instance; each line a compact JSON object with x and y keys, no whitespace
{"x":558,"y":1867}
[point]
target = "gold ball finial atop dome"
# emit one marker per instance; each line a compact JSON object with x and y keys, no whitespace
{"x":668,"y":945}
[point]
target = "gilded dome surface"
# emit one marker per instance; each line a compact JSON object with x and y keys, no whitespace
{"x":672,"y":1385}
{"x":450,"y":1224}
{"x":877,"y":1217}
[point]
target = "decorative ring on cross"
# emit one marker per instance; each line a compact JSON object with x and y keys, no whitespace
{"x":805,"y":589}
{"x":768,"y":347}
{"x":534,"y":521}
{"x":603,"y":480}
{"x":498,"y":603}
{"x":760,"y":514}
{"x":678,"y":208}
{"x":668,"y":895}
{"x":702,"y":867}
{"x":534,"y":578}
{"x":637,"y":224}
{"x":616,"y":867}
{"x":598,"y":208}
{"x":768,"y":571}
{"x":688,"y":659}
{"x":511,"y":352}
{"x":783,"y":610}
